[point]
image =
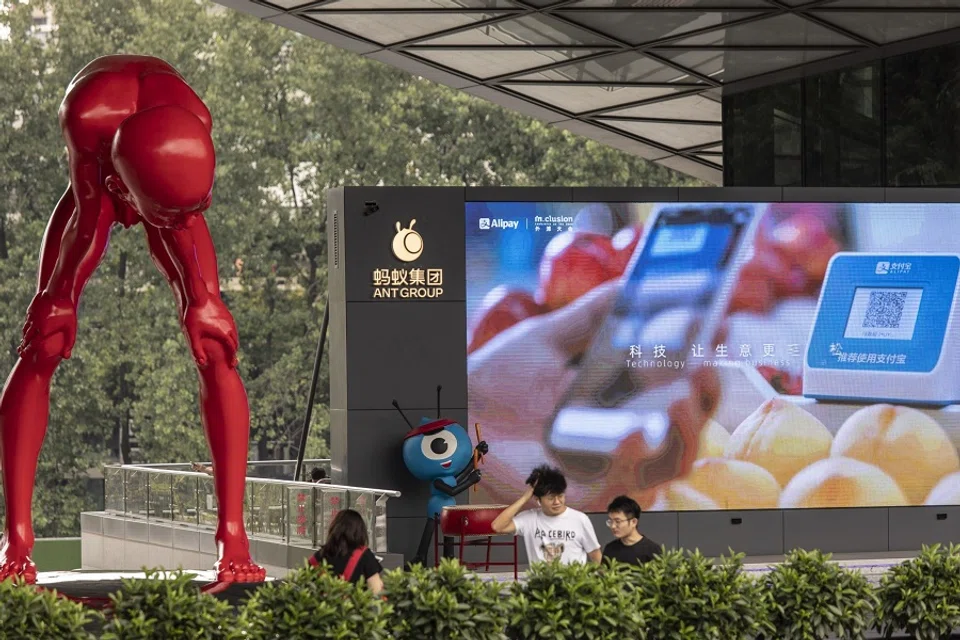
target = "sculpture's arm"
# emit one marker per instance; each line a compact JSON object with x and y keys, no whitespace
{"x":188,"y":261}
{"x":85,"y":235}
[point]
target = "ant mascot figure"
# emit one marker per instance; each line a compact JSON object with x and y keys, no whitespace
{"x":439,"y":451}
{"x":140,"y":153}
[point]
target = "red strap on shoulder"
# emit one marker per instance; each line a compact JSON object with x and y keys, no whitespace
{"x":353,"y":562}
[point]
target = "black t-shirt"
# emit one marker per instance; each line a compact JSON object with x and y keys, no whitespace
{"x":637,"y":553}
{"x":368,"y":565}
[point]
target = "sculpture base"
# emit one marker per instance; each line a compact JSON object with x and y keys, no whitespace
{"x":93,"y":588}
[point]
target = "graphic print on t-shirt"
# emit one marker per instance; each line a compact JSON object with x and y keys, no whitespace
{"x":567,"y":537}
{"x":551,"y":545}
{"x":551,"y":550}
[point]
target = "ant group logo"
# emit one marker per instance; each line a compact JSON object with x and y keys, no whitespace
{"x":407,"y":244}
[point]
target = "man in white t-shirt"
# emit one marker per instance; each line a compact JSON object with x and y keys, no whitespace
{"x":554,"y":531}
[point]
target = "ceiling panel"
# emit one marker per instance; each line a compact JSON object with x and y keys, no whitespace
{"x":786,"y":30}
{"x":489,"y":63}
{"x":647,"y":26}
{"x":644,"y":76}
{"x":389,"y":28}
{"x":715,"y":159}
{"x":534,"y":30}
{"x":355,"y":5}
{"x":667,"y":4}
{"x":695,"y":107}
{"x":622,"y":67}
{"x":672,"y":134}
{"x":729,"y":66}
{"x":580,"y":98}
{"x":287,"y":4}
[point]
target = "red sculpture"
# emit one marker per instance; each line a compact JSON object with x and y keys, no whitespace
{"x":139,"y":146}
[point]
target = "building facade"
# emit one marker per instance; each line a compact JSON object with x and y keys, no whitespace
{"x":892,"y":122}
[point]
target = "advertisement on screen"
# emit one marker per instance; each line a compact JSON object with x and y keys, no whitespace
{"x":702,"y":356}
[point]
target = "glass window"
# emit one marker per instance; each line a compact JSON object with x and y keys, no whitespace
{"x":923,"y":118}
{"x":737,"y":64}
{"x":843,"y":128}
{"x":761,"y":137}
{"x":891,"y":26}
{"x":785,"y":30}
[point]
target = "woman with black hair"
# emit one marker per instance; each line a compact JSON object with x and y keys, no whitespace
{"x":346,"y":551}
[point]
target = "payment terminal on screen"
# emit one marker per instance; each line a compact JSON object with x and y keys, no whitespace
{"x":671,"y":302}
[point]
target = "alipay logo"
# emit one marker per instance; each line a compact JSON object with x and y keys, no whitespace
{"x":883,"y":268}
{"x":499,"y":223}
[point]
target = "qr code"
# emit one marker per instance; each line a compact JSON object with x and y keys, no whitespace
{"x":885,"y":309}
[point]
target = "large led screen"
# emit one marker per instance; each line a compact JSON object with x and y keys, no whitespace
{"x":717,"y":356}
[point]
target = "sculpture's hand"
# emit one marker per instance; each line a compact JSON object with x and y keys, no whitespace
{"x":210,"y":320}
{"x":482,"y":448}
{"x":49,"y":316}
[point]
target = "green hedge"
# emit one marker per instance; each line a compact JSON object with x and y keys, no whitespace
{"x":678,"y":596}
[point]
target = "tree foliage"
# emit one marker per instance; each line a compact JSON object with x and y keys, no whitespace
{"x":292,"y":118}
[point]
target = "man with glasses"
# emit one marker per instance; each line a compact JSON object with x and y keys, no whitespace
{"x":554,"y":531}
{"x":630,"y":546}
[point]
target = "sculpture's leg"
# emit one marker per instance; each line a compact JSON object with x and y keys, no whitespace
{"x":24,"y":409}
{"x":226,"y":421}
{"x":448,"y":547}
{"x":25,"y":401}
{"x":425,"y":539}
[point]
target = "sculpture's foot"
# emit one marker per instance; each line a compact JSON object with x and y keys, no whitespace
{"x":239,"y":570}
{"x":235,"y":563}
{"x":15,"y":562}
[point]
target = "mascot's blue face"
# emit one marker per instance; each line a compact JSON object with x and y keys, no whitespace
{"x":439,"y":453}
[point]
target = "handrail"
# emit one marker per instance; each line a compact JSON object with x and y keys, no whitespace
{"x":288,"y":483}
{"x":250,"y":463}
{"x":297,"y":512}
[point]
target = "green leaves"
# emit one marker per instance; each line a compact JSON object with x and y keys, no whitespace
{"x":314,"y":603}
{"x":582,"y":601}
{"x":815,"y":599}
{"x":445,"y":602}
{"x":171,"y":608}
{"x":685,"y":596}
{"x":921,"y":596}
{"x":38,"y":614}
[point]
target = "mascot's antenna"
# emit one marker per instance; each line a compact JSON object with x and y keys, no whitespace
{"x":397,"y":407}
{"x":438,"y":400}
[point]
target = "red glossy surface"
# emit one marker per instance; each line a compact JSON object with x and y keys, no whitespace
{"x":469,"y":520}
{"x":140,"y":151}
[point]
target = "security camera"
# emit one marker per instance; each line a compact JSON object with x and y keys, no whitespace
{"x":370,"y":207}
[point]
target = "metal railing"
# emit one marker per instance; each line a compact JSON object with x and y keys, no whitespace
{"x":276,"y":469}
{"x":298,"y":513}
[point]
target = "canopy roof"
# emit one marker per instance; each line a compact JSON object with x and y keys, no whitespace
{"x":645,"y":76}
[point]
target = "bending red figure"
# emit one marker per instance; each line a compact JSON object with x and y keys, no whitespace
{"x":139,"y":146}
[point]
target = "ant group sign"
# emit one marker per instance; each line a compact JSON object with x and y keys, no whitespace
{"x":407,"y":278}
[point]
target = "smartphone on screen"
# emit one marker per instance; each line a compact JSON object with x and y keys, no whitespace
{"x":672,"y":300}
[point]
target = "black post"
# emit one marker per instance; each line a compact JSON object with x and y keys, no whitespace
{"x":305,"y":431}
